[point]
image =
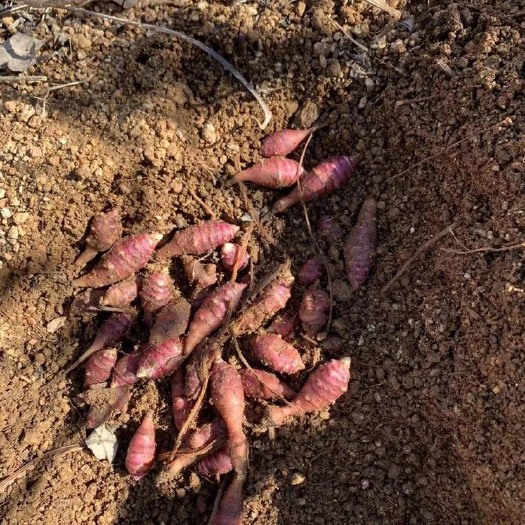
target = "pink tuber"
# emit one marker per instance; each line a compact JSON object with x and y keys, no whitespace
{"x":125,"y":372}
{"x":99,"y":366}
{"x":112,"y":330}
{"x":122,"y":294}
{"x":283,"y":141}
{"x":161,"y":360}
{"x":105,"y":230}
{"x":326,"y":177}
{"x":212,"y":313}
{"x":198,"y":239}
{"x":193,"y":382}
{"x":277,"y":172}
{"x":125,"y":258}
{"x":314,"y":311}
{"x":205,"y":434}
{"x":141,"y":450}
{"x":272,"y":298}
{"x":180,"y":404}
{"x":216,"y":463}
{"x":272,"y":351}
{"x":229,"y":256}
{"x":329,"y":228}
{"x":310,"y":271}
{"x":360,"y":245}
{"x":229,"y":511}
{"x":283,"y":324}
{"x":171,"y":321}
{"x":323,"y":387}
{"x":157,"y":291}
{"x":259,"y":384}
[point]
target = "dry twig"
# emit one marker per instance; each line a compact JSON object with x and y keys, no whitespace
{"x":381,"y":4}
{"x":486,"y":249}
{"x":20,"y":80}
{"x":419,"y":252}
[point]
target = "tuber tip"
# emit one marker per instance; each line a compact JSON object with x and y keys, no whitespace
{"x":346,"y":361}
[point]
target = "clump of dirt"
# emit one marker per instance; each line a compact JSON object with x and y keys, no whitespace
{"x":431,"y":429}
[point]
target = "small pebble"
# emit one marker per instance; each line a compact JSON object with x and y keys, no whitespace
{"x":209,"y":134}
{"x":21,"y":217}
{"x":6,"y":213}
{"x":297,"y":478}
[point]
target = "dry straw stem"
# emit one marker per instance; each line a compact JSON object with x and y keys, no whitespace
{"x":161,"y":29}
{"x":418,"y":253}
{"x":486,"y":249}
{"x":381,"y":4}
{"x":22,"y":471}
{"x":21,"y":80}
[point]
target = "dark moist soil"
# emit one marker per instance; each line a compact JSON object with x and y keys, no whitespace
{"x":431,"y":430}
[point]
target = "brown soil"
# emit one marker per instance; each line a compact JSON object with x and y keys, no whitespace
{"x":431,"y":430}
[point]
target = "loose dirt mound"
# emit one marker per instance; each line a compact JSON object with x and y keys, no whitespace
{"x":432,"y":428}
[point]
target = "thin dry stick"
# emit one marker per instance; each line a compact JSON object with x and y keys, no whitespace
{"x":214,"y":445}
{"x":419,"y":251}
{"x":414,"y":100}
{"x":201,"y":203}
{"x":242,"y":252}
{"x":177,"y":34}
{"x":21,"y":472}
{"x":19,"y":80}
{"x":486,"y":249}
{"x":350,"y":37}
{"x":56,"y":88}
{"x":314,"y":240}
{"x":381,"y":4}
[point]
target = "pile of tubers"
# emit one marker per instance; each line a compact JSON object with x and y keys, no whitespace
{"x":186,"y":335}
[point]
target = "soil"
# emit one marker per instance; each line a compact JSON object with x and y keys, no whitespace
{"x":431,"y":430}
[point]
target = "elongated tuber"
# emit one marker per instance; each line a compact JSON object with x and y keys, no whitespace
{"x":216,"y":463}
{"x":157,"y":291}
{"x":310,"y":271}
{"x":105,"y":230}
{"x":125,"y":258}
{"x":272,"y":298}
{"x":277,"y":172}
{"x":198,"y":239}
{"x":314,"y":311}
{"x":125,"y":372}
{"x":212,"y":313}
{"x":259,"y":384}
{"x":205,"y":434}
{"x":110,"y":333}
{"x":122,"y":294}
{"x":328,"y":176}
{"x":360,"y":245}
{"x":171,"y":321}
{"x":230,"y":253}
{"x":141,"y":450}
{"x":99,"y":366}
{"x":284,"y":324}
{"x":161,"y":360}
{"x":181,"y":405}
{"x":323,"y":387}
{"x":272,"y":351}
{"x":229,"y":511}
{"x":283,"y":141}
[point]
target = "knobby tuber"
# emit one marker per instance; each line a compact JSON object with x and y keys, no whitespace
{"x":360,"y":245}
{"x":314,"y":311}
{"x":230,"y":253}
{"x":326,"y":177}
{"x":99,"y":366}
{"x":277,"y":172}
{"x":198,"y":239}
{"x":198,"y":274}
{"x":110,"y":333}
{"x":259,"y":384}
{"x":275,"y":353}
{"x":157,"y":291}
{"x":126,"y":257}
{"x":284,"y":324}
{"x":310,"y":271}
{"x":212,"y":313}
{"x":323,"y":387}
{"x":272,"y":298}
{"x":105,"y":230}
{"x":216,"y":463}
{"x":283,"y":142}
{"x":181,"y":405}
{"x":122,"y":294}
{"x":161,"y":360}
{"x":125,"y":372}
{"x":141,"y":450}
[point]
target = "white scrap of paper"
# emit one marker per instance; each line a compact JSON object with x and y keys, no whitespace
{"x":103,"y":443}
